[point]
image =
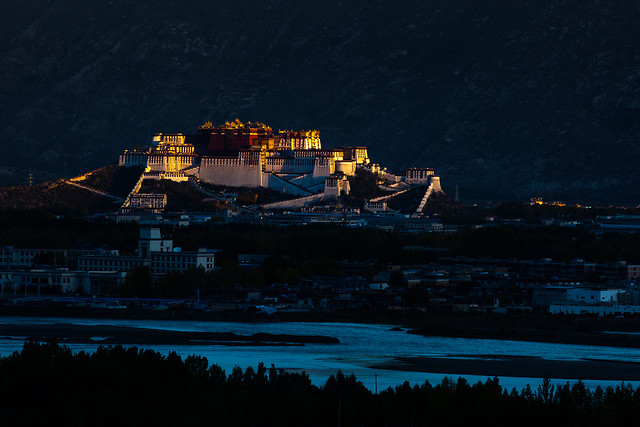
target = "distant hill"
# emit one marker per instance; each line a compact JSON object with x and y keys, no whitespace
{"x":508,"y":100}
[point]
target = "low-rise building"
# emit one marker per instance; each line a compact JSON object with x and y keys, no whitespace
{"x":56,"y":280}
{"x":98,"y":272}
{"x":178,"y":262}
{"x":379,"y":206}
{"x":12,"y":257}
{"x":600,"y":310}
{"x":593,"y":296}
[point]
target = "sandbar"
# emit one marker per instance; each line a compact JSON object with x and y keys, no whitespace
{"x":109,"y":335}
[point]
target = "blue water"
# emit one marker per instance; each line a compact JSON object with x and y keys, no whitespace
{"x":361,"y":346}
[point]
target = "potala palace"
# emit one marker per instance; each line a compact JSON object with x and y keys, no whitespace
{"x":253,"y":155}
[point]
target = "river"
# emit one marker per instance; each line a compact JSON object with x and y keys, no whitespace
{"x":361,"y":346}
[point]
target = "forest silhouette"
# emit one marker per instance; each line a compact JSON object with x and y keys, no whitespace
{"x":48,"y":383}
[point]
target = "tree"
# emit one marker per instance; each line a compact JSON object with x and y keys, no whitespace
{"x":397,"y":280}
{"x":138,"y":282}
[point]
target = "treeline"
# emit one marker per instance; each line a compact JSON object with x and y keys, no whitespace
{"x":47,"y":384}
{"x":139,"y":281}
{"x":302,"y":244}
{"x":338,"y":243}
{"x":43,"y":229}
{"x":560,"y":243}
{"x":529,"y":213}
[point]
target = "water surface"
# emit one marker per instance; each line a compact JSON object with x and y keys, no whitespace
{"x":361,"y":346}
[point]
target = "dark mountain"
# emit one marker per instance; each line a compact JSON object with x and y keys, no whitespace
{"x":505,"y":99}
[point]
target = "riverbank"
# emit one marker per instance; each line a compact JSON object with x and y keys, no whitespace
{"x":518,"y":366}
{"x":536,"y":327}
{"x":112,"y":335}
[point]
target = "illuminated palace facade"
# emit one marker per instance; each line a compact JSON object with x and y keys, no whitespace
{"x":240,"y":154}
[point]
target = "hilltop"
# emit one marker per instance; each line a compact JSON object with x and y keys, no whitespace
{"x":54,"y":196}
{"x":61,"y":196}
{"x":507,"y":101}
{"x":111,"y":179}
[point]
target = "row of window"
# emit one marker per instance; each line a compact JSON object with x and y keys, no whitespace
{"x":224,"y":162}
{"x":173,"y":257}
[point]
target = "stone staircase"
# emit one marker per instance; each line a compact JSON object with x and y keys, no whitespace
{"x":434,"y":187}
{"x":134,"y":191}
{"x":389,"y":196}
{"x":94,"y":190}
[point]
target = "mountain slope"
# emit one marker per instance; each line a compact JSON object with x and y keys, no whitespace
{"x":506,"y":100}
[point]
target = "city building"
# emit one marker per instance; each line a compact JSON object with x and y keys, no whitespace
{"x":95,"y":271}
{"x":12,"y":257}
{"x":154,"y":251}
{"x":619,"y":223}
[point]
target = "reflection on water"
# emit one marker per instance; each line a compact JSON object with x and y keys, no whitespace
{"x":361,"y":346}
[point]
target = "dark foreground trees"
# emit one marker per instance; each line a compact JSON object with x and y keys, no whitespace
{"x":47,"y":384}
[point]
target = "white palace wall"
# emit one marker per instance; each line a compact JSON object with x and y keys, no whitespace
{"x":231,"y":172}
{"x":137,"y":159}
{"x":157,"y":162}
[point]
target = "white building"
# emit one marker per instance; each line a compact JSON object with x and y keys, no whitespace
{"x":335,"y":185}
{"x":593,"y":296}
{"x":177,"y":262}
{"x":419,"y":175}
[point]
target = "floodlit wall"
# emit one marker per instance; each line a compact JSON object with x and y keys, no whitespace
{"x":133,"y":159}
{"x":347,"y":167}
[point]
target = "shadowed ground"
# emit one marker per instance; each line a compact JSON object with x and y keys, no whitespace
{"x":519,"y":366}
